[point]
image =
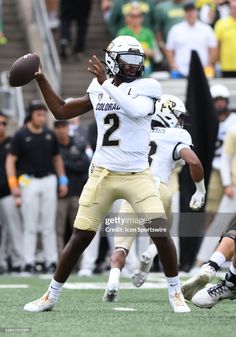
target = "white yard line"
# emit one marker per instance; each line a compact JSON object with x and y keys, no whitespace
{"x":14,"y":286}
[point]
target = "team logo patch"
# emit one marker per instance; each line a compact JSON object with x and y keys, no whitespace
{"x":168,"y":105}
{"x":100,"y":96}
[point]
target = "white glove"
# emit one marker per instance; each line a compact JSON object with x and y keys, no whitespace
{"x":198,"y":199}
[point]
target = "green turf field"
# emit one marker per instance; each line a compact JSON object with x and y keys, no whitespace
{"x":82,"y":313}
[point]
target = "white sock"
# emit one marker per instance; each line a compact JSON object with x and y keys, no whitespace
{"x":114,"y":278}
{"x":173,"y":284}
{"x":54,"y":290}
{"x":218,"y":258}
{"x":152,"y":250}
{"x":232,"y":268}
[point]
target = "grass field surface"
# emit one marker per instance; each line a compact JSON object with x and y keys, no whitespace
{"x":81,"y":312}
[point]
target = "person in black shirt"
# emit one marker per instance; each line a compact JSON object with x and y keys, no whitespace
{"x":34,"y":158}
{"x":9,"y":214}
{"x":76,"y":164}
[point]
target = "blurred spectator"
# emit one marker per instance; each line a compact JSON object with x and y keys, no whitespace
{"x":225,"y":30}
{"x":52,"y":8}
{"x":78,"y":11}
{"x":34,"y":157}
{"x":213,"y":11}
{"x":134,"y":27}
{"x":77,"y":131}
{"x":76,"y":164}
{"x":106,"y":9}
{"x":225,"y":216}
{"x":80,"y":134}
{"x":121,"y":7}
{"x":191,"y":34}
{"x":3,"y":39}
{"x":10,"y":215}
{"x":221,"y":97}
{"x":168,"y":13}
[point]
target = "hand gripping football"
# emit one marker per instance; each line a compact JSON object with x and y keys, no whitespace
{"x":23,"y":70}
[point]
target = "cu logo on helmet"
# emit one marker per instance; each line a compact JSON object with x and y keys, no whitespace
{"x":168,"y":105}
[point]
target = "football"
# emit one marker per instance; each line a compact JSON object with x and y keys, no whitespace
{"x":23,"y":70}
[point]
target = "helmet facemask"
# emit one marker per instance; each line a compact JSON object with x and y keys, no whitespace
{"x":128,"y":65}
{"x":125,"y":58}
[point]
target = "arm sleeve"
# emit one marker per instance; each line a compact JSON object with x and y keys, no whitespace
{"x":135,"y":107}
{"x":184,"y":141}
{"x":178,"y":148}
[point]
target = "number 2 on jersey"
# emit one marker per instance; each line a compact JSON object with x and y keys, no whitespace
{"x":114,"y":121}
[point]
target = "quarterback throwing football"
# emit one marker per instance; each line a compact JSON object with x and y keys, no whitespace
{"x":123,"y":106}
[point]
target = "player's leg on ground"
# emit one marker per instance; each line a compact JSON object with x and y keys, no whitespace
{"x":207,"y":272}
{"x":226,"y":289}
{"x":146,"y":202}
{"x":145,"y":265}
{"x":123,"y":243}
{"x":168,"y":257}
{"x":78,"y":242}
{"x":117,"y":262}
{"x":148,"y":256}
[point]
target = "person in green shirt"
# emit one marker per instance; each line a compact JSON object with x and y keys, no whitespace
{"x":120,"y":8}
{"x":134,"y":19}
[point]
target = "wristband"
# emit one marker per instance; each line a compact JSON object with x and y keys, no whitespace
{"x":12,"y":182}
{"x":200,"y":185}
{"x":63,"y":180}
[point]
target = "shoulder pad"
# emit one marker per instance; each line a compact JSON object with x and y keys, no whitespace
{"x":94,"y":86}
{"x":147,"y":87}
{"x":185,"y":137}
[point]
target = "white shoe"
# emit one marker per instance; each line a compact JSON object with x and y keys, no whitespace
{"x":111,"y":294}
{"x":85,"y":272}
{"x":197,"y":282}
{"x":141,"y":275}
{"x":207,"y":298}
{"x":178,"y":303}
{"x":42,"y":304}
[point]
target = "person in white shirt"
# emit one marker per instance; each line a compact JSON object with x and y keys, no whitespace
{"x":190,"y":34}
{"x":123,"y":107}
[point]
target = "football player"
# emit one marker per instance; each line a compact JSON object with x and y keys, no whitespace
{"x":123,"y":106}
{"x":226,"y":289}
{"x":170,"y":147}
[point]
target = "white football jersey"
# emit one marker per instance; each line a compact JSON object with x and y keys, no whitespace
{"x":223,"y":128}
{"x":164,"y":151}
{"x":123,"y":141}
